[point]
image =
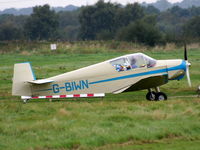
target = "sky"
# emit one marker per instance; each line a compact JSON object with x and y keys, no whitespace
{"x":4,"y":4}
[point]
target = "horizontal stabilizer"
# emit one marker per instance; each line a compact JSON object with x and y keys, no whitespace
{"x":42,"y":81}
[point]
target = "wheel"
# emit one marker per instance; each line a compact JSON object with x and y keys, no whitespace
{"x":160,"y":96}
{"x":25,"y":101}
{"x":151,"y":96}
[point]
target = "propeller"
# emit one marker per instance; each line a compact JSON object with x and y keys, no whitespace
{"x":187,"y":65}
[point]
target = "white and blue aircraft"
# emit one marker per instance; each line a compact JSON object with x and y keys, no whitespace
{"x":127,"y":73}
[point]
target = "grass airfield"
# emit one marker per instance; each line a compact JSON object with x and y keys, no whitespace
{"x":124,"y":121}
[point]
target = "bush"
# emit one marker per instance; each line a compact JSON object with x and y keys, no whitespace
{"x":141,"y":32}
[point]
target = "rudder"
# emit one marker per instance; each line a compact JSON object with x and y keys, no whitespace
{"x":22,"y":73}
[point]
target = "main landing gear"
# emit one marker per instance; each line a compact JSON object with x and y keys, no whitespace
{"x":25,"y":101}
{"x":156,"y":96}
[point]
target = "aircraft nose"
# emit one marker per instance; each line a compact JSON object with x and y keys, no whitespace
{"x":176,"y":69}
{"x":183,"y":65}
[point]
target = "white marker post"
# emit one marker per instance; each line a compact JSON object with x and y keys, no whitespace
{"x":53,"y":47}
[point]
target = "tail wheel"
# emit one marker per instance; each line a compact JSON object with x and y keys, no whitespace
{"x":151,"y":96}
{"x":25,"y":101}
{"x":160,"y":96}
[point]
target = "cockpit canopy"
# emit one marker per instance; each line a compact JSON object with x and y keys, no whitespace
{"x":133,"y":61}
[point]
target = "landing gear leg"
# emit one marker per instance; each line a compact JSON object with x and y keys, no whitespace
{"x":157,"y":89}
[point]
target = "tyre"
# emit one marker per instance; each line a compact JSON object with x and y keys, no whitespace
{"x":151,"y":96}
{"x":25,"y":101}
{"x":160,"y":96}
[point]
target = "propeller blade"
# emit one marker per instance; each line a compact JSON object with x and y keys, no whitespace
{"x":187,"y":65}
{"x":188,"y":74}
{"x":185,"y":52}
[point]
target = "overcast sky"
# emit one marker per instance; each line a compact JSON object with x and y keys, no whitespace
{"x":29,"y":3}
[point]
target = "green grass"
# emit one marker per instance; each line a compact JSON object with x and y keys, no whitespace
{"x":123,"y":121}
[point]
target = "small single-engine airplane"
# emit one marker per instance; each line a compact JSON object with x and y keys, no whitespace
{"x":122,"y":74}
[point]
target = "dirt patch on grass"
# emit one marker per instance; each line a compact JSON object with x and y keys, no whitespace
{"x":64,"y":112}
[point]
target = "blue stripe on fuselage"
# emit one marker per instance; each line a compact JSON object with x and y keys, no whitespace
{"x":131,"y":76}
{"x":181,"y":66}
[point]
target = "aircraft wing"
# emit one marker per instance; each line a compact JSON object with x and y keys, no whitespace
{"x":42,"y":81}
{"x":121,"y":90}
{"x":145,"y":83}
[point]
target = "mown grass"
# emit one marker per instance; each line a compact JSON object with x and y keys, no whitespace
{"x":93,"y":124}
{"x":123,"y":121}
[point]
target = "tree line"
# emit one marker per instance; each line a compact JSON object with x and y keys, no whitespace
{"x":104,"y":21}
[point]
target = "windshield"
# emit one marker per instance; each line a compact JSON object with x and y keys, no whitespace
{"x":140,"y":60}
{"x":149,"y":61}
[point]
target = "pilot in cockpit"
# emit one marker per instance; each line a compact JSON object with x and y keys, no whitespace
{"x":133,"y":63}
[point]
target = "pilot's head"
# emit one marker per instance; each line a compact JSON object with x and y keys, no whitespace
{"x":133,"y":61}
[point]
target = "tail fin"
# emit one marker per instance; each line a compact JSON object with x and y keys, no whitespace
{"x":22,"y":73}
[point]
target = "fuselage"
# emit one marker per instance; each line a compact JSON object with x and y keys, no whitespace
{"x":114,"y":76}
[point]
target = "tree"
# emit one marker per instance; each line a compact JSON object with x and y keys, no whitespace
{"x":67,"y":18}
{"x":8,"y":31}
{"x":97,"y":18}
{"x":171,"y":23}
{"x":129,"y":13}
{"x":68,"y":25}
{"x":42,"y":24}
{"x":141,"y":31}
{"x":192,"y":28}
{"x":179,"y":12}
{"x":194,"y":11}
{"x":150,"y":9}
{"x":69,"y":33}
